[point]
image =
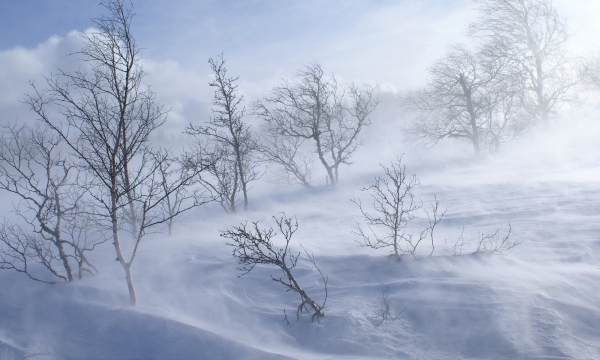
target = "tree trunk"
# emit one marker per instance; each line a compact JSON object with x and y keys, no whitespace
{"x":240,"y":167}
{"x":305,"y":298}
{"x":64,"y":259}
{"x":472,"y":114}
{"x":332,"y":178}
{"x":117,"y":244}
{"x":130,"y":286}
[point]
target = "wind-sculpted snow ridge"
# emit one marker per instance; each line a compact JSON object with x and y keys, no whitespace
{"x":55,"y":326}
{"x":540,"y":300}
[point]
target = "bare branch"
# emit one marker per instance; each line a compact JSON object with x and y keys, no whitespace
{"x":318,"y":114}
{"x":394,"y":206}
{"x":106,"y":117}
{"x":252,"y":246}
{"x":531,"y":37}
{"x":385,"y":313}
{"x":33,"y":168}
{"x":232,"y":144}
{"x":492,"y":243}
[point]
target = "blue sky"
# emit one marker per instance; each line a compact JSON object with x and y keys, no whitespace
{"x":258,"y":33}
{"x":387,"y":42}
{"x":30,"y":22}
{"x":271,"y":35}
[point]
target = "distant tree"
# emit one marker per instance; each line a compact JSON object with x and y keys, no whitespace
{"x":470,"y":96}
{"x":592,"y":73}
{"x":504,"y":117}
{"x":229,"y":141}
{"x":52,"y":243}
{"x":318,"y":112}
{"x":532,"y":37}
{"x":452,"y":105}
{"x":253,"y":246}
{"x":393,"y":208}
{"x":107,"y":117}
{"x":293,"y":165}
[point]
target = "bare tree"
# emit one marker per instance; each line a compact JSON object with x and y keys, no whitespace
{"x":505,"y":118}
{"x":316,"y":109}
{"x":532,"y":36}
{"x":471,"y":96}
{"x":294,"y":166}
{"x":453,"y":102}
{"x":592,"y":73}
{"x":231,"y":141}
{"x":394,"y":205}
{"x":177,"y":185}
{"x":252,"y":246}
{"x":108,"y":115}
{"x":56,"y":235}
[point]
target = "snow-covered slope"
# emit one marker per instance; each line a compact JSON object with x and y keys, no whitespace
{"x":540,"y":300}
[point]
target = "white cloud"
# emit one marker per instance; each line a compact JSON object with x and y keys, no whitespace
{"x":391,"y":43}
{"x":19,"y":66}
{"x":381,"y":41}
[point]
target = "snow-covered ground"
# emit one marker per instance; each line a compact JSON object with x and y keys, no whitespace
{"x":541,"y":300}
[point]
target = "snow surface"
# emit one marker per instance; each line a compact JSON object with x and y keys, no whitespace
{"x":540,"y":300}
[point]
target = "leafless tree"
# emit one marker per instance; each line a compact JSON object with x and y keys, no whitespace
{"x":471,"y":96}
{"x":294,"y":165}
{"x":394,"y":205}
{"x":108,"y":115}
{"x":221,"y":185}
{"x":505,"y":118}
{"x":231,"y":141}
{"x":252,"y":246}
{"x":453,"y":102}
{"x":319,"y":112}
{"x":55,"y":232}
{"x":532,"y":37}
{"x":592,"y":73}
{"x":177,"y":185}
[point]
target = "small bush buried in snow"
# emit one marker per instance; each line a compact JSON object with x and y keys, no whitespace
{"x":487,"y":243}
{"x":384,"y":313}
{"x":252,"y":246}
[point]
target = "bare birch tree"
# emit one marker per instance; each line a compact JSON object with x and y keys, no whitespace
{"x":107,"y":117}
{"x":532,"y":36}
{"x":53,"y":241}
{"x":319,"y":112}
{"x":229,"y":140}
{"x":178,"y":185}
{"x":393,"y":207}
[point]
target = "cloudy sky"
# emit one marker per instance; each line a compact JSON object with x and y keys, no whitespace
{"x":389,"y":42}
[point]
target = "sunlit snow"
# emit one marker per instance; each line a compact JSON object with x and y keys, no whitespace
{"x":539,"y":300}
